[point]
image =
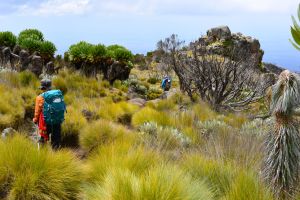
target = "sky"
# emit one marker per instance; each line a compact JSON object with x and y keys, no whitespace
{"x":139,"y":24}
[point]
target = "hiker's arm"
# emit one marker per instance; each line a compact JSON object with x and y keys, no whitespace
{"x":39,"y":102}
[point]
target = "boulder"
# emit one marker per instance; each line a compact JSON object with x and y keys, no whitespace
{"x":138,"y":101}
{"x":36,"y":65}
{"x":221,"y":33}
{"x":49,"y":68}
{"x":117,"y":71}
{"x":17,"y":49}
{"x":6,"y":56}
{"x":24,"y":59}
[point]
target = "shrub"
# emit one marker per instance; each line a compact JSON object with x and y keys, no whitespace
{"x":71,"y":127}
{"x":47,"y":50}
{"x":30,"y":44}
{"x":150,"y":115}
{"x":29,"y":173}
{"x":80,"y":52}
{"x":119,"y":53}
{"x":8,"y":39}
{"x":163,"y":138}
{"x":153,"y":80}
{"x":100,"y":132}
{"x":153,"y":93}
{"x":32,"y":34}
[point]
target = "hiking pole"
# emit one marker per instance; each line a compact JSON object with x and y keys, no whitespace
{"x":37,"y":136}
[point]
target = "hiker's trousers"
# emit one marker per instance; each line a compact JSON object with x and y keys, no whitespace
{"x":55,"y":133}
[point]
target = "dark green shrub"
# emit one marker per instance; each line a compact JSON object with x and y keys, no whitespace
{"x":30,"y":33}
{"x":153,"y":80}
{"x":80,"y":52}
{"x":30,"y":44}
{"x":119,"y":53}
{"x":47,"y":50}
{"x":8,"y":39}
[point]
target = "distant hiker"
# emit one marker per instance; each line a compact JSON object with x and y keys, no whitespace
{"x":166,"y":83}
{"x":49,"y":113}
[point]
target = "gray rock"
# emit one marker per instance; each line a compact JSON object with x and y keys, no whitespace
{"x":24,"y":59}
{"x":6,"y":56}
{"x":8,"y":132}
{"x":117,"y":71}
{"x":17,"y":49}
{"x":138,"y":101}
{"x":36,"y":65}
{"x":221,"y":32}
{"x":49,"y":68}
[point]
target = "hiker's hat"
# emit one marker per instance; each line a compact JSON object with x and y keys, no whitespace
{"x":45,"y":84}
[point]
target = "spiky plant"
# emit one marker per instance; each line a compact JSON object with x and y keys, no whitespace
{"x":295,"y":31}
{"x":282,"y":161}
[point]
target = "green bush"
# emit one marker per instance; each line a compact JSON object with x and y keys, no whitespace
{"x":30,"y":44}
{"x":32,"y":34}
{"x":47,"y":50}
{"x":29,"y":173}
{"x":80,"y":52}
{"x":119,"y":53}
{"x":8,"y":39}
{"x":152,"y":80}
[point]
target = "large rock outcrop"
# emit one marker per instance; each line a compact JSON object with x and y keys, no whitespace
{"x":221,"y":41}
{"x":116,"y":71}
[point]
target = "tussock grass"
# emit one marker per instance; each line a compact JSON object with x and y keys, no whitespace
{"x":101,"y":132}
{"x":150,"y":115}
{"x":12,"y":110}
{"x":217,"y":175}
{"x":247,"y":186}
{"x":29,"y":173}
{"x":161,"y":183}
{"x":71,"y":127}
{"x":121,"y":154}
{"x":118,"y":112}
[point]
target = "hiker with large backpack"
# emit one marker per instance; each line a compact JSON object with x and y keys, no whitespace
{"x":49,"y":113}
{"x":166,"y":83}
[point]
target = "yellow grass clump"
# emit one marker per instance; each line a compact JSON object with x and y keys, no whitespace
{"x":29,"y":173}
{"x":101,"y":132}
{"x":150,"y":115}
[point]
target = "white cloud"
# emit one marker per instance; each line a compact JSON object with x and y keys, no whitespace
{"x":159,"y":7}
{"x":55,"y":7}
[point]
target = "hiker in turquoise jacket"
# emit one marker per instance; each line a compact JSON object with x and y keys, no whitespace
{"x":49,"y":113}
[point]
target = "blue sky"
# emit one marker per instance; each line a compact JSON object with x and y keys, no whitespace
{"x":139,"y":24}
